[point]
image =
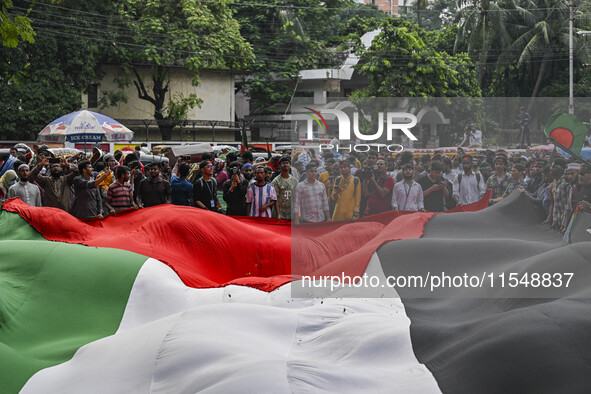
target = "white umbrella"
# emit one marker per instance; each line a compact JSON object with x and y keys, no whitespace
{"x":86,"y":127}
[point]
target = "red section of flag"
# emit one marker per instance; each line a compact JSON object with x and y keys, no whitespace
{"x":562,"y":136}
{"x":208,"y":249}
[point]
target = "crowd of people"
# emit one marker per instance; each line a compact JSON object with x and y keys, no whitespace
{"x":315,"y":188}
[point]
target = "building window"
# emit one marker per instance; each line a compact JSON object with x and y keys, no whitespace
{"x":93,"y":95}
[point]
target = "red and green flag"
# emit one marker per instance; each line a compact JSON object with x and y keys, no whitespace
{"x":568,"y":131}
{"x":244,"y":144}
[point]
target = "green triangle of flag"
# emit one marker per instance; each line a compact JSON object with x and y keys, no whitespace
{"x":567,"y":130}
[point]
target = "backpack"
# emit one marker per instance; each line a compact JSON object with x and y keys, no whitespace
{"x":355,"y":182}
{"x":214,"y":183}
{"x":477,"y":180}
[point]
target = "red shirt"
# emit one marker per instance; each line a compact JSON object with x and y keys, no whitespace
{"x":375,"y":203}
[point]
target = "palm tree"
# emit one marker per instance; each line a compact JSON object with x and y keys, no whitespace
{"x":482,"y":23}
{"x":541,"y":31}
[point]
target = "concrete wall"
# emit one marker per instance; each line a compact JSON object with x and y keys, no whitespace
{"x":216,"y":90}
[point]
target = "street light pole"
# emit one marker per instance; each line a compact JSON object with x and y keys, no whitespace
{"x":571,"y":102}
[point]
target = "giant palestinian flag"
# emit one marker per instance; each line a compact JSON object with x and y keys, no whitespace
{"x":177,"y":300}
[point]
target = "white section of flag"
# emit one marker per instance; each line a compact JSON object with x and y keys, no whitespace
{"x":175,"y":339}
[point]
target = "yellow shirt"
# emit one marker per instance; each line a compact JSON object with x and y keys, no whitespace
{"x":348,"y":200}
{"x":104,"y":185}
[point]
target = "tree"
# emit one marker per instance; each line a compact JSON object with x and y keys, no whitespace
{"x":14,"y":29}
{"x":43,"y":80}
{"x":293,"y":35}
{"x":541,"y":32}
{"x":481,"y":23}
{"x":402,"y":63}
{"x":192,"y":34}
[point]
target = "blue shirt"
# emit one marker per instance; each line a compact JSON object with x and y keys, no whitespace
{"x":181,"y":191}
{"x":8,"y":165}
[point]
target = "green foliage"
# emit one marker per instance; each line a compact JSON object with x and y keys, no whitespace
{"x":192,"y":34}
{"x":179,"y":106}
{"x":435,"y":14}
{"x":402,"y":62}
{"x":43,"y":80}
{"x":14,"y":29}
{"x":520,"y":47}
{"x":293,"y":35}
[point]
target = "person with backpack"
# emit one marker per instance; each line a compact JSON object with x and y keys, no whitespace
{"x":468,"y":186}
{"x":205,"y":189}
{"x":347,"y":194}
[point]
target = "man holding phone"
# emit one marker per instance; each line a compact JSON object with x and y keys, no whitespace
{"x":87,"y":201}
{"x":234,"y":191}
{"x":57,"y":184}
{"x":434,"y":188}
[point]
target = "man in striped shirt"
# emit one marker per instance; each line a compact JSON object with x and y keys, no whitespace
{"x":120,"y":193}
{"x":260,"y":196}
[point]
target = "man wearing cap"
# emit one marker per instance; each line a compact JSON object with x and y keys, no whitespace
{"x":468,"y":186}
{"x":310,"y":202}
{"x":572,"y":175}
{"x":205,"y":189}
{"x":248,"y":173}
{"x":56,"y":185}
{"x":584,"y":195}
{"x":472,"y":136}
{"x":25,"y":190}
{"x":498,"y":181}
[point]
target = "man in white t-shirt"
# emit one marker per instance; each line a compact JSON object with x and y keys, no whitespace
{"x":468,"y":186}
